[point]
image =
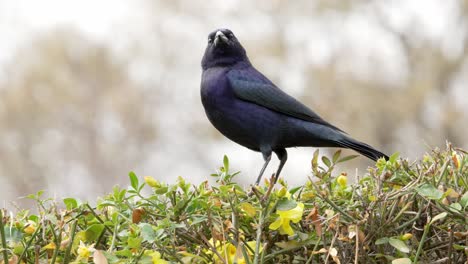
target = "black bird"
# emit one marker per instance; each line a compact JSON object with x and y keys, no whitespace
{"x":249,"y":109}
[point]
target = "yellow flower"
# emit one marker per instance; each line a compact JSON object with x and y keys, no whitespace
{"x":285,"y":217}
{"x":282,"y":192}
{"x":84,"y":252}
{"x":51,"y":245}
{"x":342,"y":180}
{"x":30,"y":227}
{"x":156,"y":258}
{"x":406,"y":236}
{"x":230,"y":254}
{"x":152,"y":182}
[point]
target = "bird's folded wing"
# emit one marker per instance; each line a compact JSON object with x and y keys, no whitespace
{"x":254,"y":87}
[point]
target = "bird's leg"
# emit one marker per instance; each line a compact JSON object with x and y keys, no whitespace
{"x":267,"y":158}
{"x":282,"y":156}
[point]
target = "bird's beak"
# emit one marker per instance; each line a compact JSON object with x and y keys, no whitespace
{"x":220,"y":37}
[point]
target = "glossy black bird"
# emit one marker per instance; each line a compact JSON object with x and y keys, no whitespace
{"x":249,"y":109}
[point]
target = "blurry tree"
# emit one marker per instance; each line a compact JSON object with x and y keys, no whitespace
{"x":74,"y":110}
{"x":69,"y":107}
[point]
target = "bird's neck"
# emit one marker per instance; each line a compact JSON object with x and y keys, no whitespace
{"x":227,"y":62}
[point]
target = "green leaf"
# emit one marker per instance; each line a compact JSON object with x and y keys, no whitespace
{"x":464,"y":200}
{"x":401,"y":261}
{"x":34,"y":218}
{"x":315,"y":159}
{"x":133,"y":180}
{"x":294,"y":190}
{"x":124,"y":253}
{"x":429,"y":191}
{"x":147,"y":233}
{"x":456,"y":207}
{"x":284,"y":204}
{"x":399,"y":245}
{"x":226,"y":163}
{"x":346,"y":158}
{"x":438,"y":217}
{"x":93,"y":232}
{"x":336,"y":156}
{"x":459,"y":247}
{"x":134,"y":242}
{"x":70,"y":203}
{"x":326,"y":161}
{"x":36,"y":196}
{"x":381,"y":241}
{"x":394,"y":157}
{"x":148,"y":260}
{"x":199,"y":219}
{"x":40,"y":193}
{"x":161,"y":190}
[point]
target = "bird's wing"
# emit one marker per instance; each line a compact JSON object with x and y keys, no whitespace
{"x":252,"y":86}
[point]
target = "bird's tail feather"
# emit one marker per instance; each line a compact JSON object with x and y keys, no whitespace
{"x":362,"y":148}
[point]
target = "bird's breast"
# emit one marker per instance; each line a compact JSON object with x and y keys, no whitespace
{"x":246,"y":123}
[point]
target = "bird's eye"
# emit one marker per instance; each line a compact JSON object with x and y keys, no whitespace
{"x":210,"y":40}
{"x":230,"y":35}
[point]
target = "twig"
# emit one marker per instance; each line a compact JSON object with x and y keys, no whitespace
{"x":213,"y":248}
{"x":356,"y":257}
{"x":29,"y":243}
{"x":349,"y":217}
{"x":314,"y":249}
{"x":450,"y":246}
{"x":412,"y":220}
{"x":442,"y":261}
{"x":331,"y":246}
{"x":421,"y":243}
{"x":58,"y":241}
{"x":263,"y":215}
{"x":4,"y":243}
{"x":290,"y":249}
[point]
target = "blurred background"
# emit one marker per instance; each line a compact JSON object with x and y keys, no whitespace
{"x":90,"y":90}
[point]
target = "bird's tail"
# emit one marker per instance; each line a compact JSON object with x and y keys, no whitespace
{"x":362,"y":148}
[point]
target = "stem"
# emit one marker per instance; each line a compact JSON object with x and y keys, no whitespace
{"x":72,"y":237}
{"x":38,"y":228}
{"x":4,"y":243}
{"x":100,"y":220}
{"x":421,"y":243}
{"x":332,"y":204}
{"x":346,"y":215}
{"x":261,"y":222}
{"x":58,"y":241}
{"x":356,"y":257}
{"x":259,"y":236}
{"x":313,"y":250}
{"x":450,"y":246}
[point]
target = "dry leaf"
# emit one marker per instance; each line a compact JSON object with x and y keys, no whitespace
{"x":13,"y":260}
{"x":334,"y":255}
{"x":99,"y":258}
{"x":315,"y":217}
{"x":137,"y":214}
{"x":320,"y":251}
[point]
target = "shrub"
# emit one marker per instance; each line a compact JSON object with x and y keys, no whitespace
{"x":398,"y":212}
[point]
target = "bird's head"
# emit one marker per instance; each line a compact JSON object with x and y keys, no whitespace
{"x":223,"y":49}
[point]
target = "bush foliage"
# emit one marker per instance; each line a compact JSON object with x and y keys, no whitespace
{"x":397,"y":212}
